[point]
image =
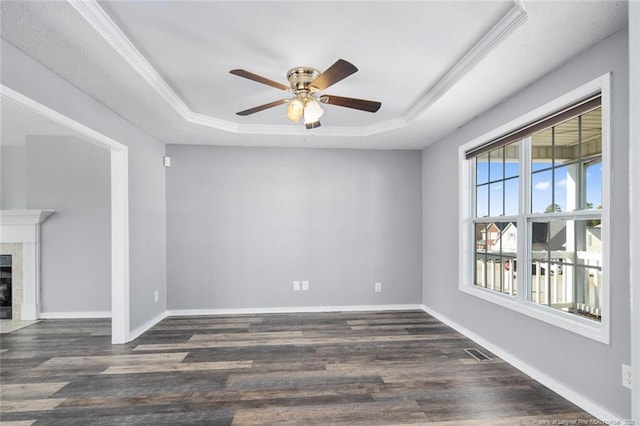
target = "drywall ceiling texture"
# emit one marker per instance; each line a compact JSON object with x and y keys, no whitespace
{"x":433,"y":65}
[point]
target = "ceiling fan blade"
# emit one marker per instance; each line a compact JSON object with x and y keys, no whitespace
{"x":336,"y":72}
{"x":361,"y":104}
{"x":263,"y":107}
{"x":259,"y":79}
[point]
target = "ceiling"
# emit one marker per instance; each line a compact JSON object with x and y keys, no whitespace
{"x":164,"y":65}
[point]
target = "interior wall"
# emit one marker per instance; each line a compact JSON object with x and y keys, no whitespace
{"x":244,"y":223}
{"x":147,"y":202}
{"x":72,"y":177}
{"x":13,"y":179}
{"x":590,"y":369}
{"x":634,"y":193}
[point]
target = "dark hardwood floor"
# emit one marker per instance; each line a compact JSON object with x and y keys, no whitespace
{"x":330,"y":368}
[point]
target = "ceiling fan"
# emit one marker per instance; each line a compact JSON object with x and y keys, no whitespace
{"x":305,"y":83}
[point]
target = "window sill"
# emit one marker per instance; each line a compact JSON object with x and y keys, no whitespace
{"x":598,"y":331}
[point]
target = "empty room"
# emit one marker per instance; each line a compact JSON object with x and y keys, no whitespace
{"x":319,"y":212}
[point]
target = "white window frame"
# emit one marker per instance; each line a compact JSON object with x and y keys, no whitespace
{"x":596,"y":330}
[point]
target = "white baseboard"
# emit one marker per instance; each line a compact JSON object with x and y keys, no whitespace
{"x":559,"y":388}
{"x":291,"y":310}
{"x":75,"y":315}
{"x":138,"y":331}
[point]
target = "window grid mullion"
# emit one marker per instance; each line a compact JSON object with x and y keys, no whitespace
{"x":575,"y":267}
{"x":504,"y":180}
{"x":553,"y":169}
{"x":488,"y":185}
{"x":524,"y":202}
{"x":580,"y":206}
{"x":581,"y":186}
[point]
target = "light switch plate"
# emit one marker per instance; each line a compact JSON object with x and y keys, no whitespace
{"x":627,"y":376}
{"x":296,"y":286}
{"x":305,"y":285}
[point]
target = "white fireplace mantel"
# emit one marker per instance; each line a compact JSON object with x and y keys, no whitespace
{"x":23,"y":227}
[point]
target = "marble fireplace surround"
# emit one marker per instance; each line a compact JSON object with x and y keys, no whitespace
{"x":20,"y":238}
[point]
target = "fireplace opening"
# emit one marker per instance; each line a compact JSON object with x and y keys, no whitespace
{"x":5,"y":287}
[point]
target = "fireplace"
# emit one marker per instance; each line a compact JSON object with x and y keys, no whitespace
{"x":5,"y":287}
{"x":20,"y":253}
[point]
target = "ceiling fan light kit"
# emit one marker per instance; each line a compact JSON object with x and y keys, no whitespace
{"x":295,"y":109}
{"x":304,"y":83}
{"x":305,"y":105}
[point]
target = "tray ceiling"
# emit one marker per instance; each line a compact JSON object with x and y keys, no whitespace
{"x":164,"y":65}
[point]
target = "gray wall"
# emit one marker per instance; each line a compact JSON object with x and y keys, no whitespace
{"x":72,"y":177}
{"x":13,"y":178}
{"x":147,"y":203}
{"x":244,"y":223}
{"x":589,"y":368}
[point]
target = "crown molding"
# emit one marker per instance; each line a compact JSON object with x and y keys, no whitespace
{"x":208,"y":121}
{"x":104,"y":25}
{"x":507,"y":24}
{"x":91,"y":11}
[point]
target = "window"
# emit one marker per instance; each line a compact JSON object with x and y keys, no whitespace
{"x":534,"y":213}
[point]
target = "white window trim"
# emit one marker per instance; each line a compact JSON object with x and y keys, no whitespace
{"x":598,"y":331}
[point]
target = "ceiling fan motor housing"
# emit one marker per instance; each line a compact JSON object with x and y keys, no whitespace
{"x":301,"y":78}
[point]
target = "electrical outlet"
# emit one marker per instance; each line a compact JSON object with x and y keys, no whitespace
{"x":166,"y":161}
{"x":156,"y":296}
{"x":377,"y":287}
{"x":305,"y":285}
{"x":296,"y":286}
{"x":627,"y":376}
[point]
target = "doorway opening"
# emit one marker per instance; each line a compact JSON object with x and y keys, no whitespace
{"x":119,"y":163}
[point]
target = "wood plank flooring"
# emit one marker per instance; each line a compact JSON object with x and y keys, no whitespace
{"x":304,"y":369}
